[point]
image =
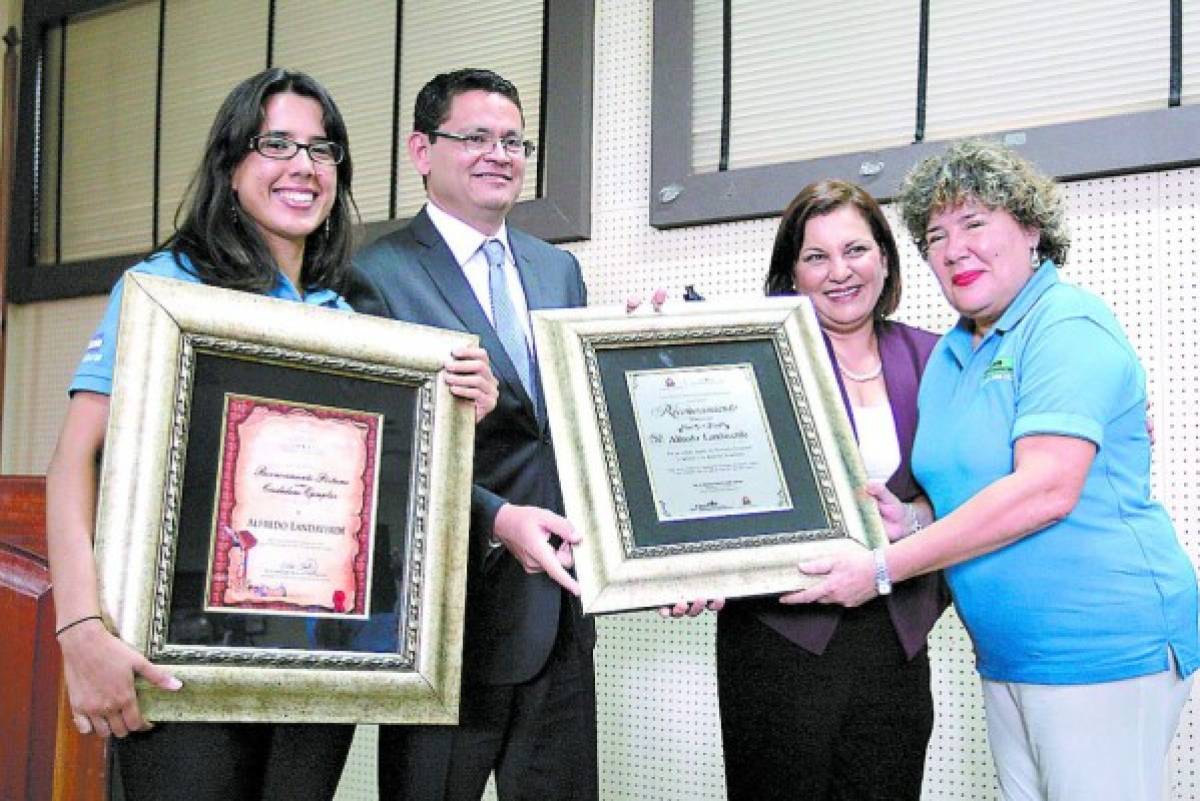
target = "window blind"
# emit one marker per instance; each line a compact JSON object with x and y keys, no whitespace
{"x":1000,"y":66}
{"x":99,"y":198}
{"x":51,"y":137}
{"x":108,"y":132}
{"x":807,"y":79}
{"x":350,"y":48}
{"x":209,"y":46}
{"x":707,"y":84}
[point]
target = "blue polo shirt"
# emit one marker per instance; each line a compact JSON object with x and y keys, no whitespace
{"x":1102,"y":594}
{"x":95,"y":370}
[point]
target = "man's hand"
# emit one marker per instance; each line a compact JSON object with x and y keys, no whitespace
{"x":469,"y":376}
{"x":526,"y":532}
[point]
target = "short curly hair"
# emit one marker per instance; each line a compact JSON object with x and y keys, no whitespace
{"x":994,"y":175}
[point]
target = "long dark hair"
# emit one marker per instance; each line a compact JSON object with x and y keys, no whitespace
{"x":824,"y":197}
{"x":224,"y":245}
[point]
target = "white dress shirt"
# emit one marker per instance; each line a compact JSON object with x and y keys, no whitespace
{"x":464,"y":242}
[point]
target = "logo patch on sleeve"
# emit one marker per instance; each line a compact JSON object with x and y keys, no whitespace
{"x":94,"y":347}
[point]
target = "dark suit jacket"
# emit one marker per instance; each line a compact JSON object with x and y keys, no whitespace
{"x":512,"y":617}
{"x":916,"y":604}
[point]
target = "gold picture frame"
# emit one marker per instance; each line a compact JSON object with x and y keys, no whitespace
{"x":634,"y":492}
{"x":181,"y":349}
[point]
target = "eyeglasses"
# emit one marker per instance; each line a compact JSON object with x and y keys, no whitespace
{"x":280,"y":148}
{"x":478,"y":143}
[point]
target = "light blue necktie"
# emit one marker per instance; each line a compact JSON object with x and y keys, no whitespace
{"x":504,"y":316}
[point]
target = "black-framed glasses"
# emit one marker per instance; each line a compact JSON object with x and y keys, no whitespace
{"x":480,"y":142}
{"x":281,"y":148}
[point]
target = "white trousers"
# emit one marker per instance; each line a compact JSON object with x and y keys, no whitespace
{"x":1085,"y":742}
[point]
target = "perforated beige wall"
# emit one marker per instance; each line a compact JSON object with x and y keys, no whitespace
{"x":1136,"y":244}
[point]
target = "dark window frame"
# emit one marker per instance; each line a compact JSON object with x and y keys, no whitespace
{"x":562,"y":213}
{"x":1139,"y":142}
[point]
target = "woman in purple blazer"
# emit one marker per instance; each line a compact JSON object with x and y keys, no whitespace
{"x":822,"y":702}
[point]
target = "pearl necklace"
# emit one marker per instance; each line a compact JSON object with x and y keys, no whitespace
{"x":863,"y":378}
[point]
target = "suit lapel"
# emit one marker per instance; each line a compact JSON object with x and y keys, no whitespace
{"x":445,"y":273}
{"x":536,"y":295}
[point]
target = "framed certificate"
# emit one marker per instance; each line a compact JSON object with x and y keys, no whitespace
{"x":293,"y":529}
{"x":283,"y":515}
{"x":702,"y":452}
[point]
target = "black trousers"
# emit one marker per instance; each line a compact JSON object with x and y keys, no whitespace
{"x":233,"y":761}
{"x":539,"y":737}
{"x":849,"y":725}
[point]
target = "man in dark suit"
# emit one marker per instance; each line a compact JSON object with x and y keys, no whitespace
{"x":528,"y":695}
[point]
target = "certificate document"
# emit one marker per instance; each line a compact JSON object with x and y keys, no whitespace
{"x":707,"y":443}
{"x":293,"y":524}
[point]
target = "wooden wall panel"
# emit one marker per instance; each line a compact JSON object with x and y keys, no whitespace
{"x":34,"y":716}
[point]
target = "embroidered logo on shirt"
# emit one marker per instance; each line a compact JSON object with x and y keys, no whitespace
{"x":94,"y":346}
{"x":999,"y":370}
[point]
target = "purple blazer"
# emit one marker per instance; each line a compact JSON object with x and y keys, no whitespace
{"x":915,"y":604}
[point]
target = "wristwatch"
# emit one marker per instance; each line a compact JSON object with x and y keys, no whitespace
{"x":883,"y":580}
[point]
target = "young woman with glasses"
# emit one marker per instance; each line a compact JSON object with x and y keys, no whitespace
{"x":268,"y":211}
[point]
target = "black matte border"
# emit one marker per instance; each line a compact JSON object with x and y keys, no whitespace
{"x":216,"y":374}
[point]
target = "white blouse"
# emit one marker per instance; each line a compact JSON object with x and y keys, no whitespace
{"x":877,"y":442}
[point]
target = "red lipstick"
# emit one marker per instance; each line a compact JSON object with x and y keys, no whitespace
{"x":966,"y":278}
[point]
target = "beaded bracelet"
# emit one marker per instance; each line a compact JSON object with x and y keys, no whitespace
{"x":74,"y":623}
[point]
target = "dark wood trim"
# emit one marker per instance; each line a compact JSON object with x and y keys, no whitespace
{"x":1146,"y":141}
{"x":671,"y":104}
{"x":270,"y":34}
{"x":75,"y":279}
{"x":726,"y":82}
{"x":922,"y":72}
{"x":563,"y":212}
{"x":398,"y":145}
{"x":8,"y":129}
{"x":43,"y":757}
{"x":59,"y":139}
{"x":1175,"y":82}
{"x":30,"y":714}
{"x":22,"y":194}
{"x":543,"y":94}
{"x":23,"y":514}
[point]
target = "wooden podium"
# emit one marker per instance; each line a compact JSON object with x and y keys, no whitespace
{"x":42,"y":756}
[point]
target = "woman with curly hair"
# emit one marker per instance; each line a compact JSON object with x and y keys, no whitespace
{"x":1032,"y":447}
